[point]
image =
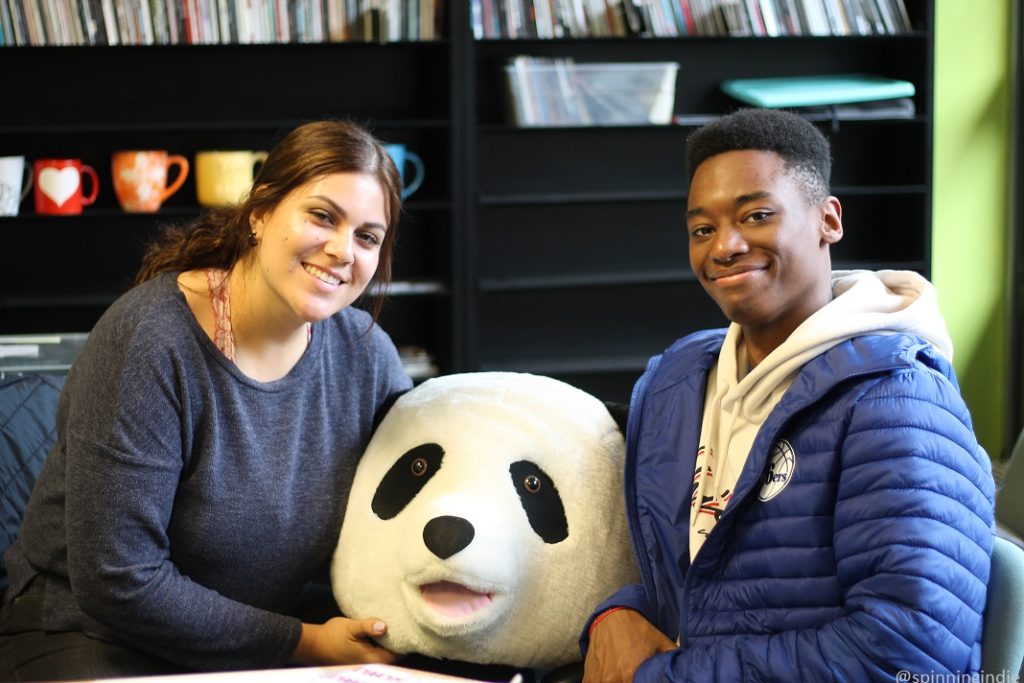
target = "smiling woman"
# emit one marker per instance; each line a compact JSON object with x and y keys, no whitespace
{"x":303,"y":159}
{"x":319,"y":224}
{"x":208,"y":435}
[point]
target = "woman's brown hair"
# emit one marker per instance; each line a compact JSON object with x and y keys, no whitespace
{"x":221,"y":237}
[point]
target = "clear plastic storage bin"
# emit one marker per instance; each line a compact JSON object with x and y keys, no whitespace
{"x":596,"y":94}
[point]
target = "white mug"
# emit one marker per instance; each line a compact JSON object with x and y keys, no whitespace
{"x":15,"y":183}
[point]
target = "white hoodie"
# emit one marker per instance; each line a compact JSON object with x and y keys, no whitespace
{"x":737,"y":402}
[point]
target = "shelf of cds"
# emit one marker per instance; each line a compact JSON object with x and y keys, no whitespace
{"x":542,"y":19}
{"x":39,"y":23}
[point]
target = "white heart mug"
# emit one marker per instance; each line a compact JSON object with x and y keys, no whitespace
{"x":58,"y":184}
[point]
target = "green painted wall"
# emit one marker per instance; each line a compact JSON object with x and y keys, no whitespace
{"x":970,"y":207}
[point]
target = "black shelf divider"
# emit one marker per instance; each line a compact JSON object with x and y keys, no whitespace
{"x":201,"y":126}
{"x":585,"y":280}
{"x":540,"y":198}
{"x":557,"y":365}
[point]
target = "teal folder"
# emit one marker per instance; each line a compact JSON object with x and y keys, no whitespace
{"x":803,"y":91}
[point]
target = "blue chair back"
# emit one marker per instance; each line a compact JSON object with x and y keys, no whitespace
{"x":1010,"y":507}
{"x":1002,"y":646}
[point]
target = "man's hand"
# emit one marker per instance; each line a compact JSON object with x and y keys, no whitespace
{"x":619,"y":645}
{"x":342,"y":641}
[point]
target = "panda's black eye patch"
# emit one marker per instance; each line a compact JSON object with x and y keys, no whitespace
{"x":540,"y":500}
{"x":405,"y":479}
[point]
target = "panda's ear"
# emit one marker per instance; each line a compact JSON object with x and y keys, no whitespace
{"x":619,"y":413}
{"x":385,"y":406}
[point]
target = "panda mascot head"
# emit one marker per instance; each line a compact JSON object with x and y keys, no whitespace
{"x":486,"y":520}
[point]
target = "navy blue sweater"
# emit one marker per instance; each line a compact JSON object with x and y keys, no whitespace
{"x":184,"y":504}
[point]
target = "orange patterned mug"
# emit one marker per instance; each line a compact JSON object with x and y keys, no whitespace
{"x":140,"y":178}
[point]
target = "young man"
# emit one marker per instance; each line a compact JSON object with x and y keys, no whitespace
{"x":805,"y":491}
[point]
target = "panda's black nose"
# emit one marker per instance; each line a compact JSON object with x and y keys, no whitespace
{"x":447,"y":535}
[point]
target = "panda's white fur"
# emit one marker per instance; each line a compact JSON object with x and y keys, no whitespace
{"x":534,"y":596}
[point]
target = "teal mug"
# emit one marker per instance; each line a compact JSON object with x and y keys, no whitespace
{"x":400,"y":154}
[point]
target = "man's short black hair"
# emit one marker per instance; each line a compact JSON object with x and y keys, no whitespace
{"x":802,"y":146}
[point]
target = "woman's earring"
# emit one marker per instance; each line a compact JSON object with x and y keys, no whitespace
{"x":252,"y":239}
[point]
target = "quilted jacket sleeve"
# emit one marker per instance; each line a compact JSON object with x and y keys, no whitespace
{"x":912,"y":540}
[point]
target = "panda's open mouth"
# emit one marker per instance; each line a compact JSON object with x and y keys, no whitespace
{"x":454,"y":600}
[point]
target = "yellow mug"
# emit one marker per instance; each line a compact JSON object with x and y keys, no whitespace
{"x":224,"y":177}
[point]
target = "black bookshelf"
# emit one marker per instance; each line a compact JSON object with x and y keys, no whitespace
{"x":581,"y":263}
{"x":556,"y":250}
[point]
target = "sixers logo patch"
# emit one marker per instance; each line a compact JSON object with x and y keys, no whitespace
{"x":781,"y":465}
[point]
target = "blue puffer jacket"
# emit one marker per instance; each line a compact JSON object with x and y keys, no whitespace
{"x":871,"y":557}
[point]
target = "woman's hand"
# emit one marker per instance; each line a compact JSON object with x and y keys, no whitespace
{"x":342,"y":641}
{"x":619,"y":645}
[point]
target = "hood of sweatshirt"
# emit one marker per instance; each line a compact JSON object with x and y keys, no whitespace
{"x":738,"y":402}
{"x":864,"y":302}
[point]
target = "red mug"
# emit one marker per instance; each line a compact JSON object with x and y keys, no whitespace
{"x":58,"y":186}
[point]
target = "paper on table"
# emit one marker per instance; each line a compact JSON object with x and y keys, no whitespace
{"x":359,"y":673}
